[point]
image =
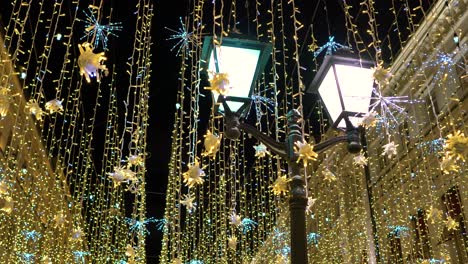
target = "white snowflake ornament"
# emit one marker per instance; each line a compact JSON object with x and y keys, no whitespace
{"x":135,"y":160}
{"x":211,"y":143}
{"x":121,"y":175}
{"x":77,"y":234}
{"x":381,"y":75}
{"x":360,"y":160}
{"x":390,"y":150}
{"x":369,"y":119}
{"x":54,"y":106}
{"x":310,"y":203}
{"x":90,"y":62}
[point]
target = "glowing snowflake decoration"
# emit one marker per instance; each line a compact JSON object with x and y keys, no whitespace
{"x":456,"y":146}
{"x":219,"y":84}
{"x":94,"y":30}
{"x":162,"y":224}
{"x":248,"y":224}
{"x":381,"y":75}
{"x":33,"y":108}
{"x":122,"y":175}
{"x":281,"y":185}
{"x":54,"y":106}
{"x":235,"y":219}
{"x":211,"y":143}
{"x":187,"y":201}
{"x":184,"y":38}
{"x":360,"y":160}
{"x":389,"y":106}
{"x":27,"y":257}
{"x":194,"y":175}
{"x":399,"y":231}
{"x":139,"y":226}
{"x":232,"y":242}
{"x":310,"y":203}
{"x":261,"y":150}
{"x":330,"y":47}
{"x":306,"y":152}
{"x":90,"y":63}
{"x":444,"y":63}
{"x":389,"y":150}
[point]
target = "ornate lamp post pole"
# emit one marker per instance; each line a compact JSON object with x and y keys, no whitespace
{"x":298,"y":193}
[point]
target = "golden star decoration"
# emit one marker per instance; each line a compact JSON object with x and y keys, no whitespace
{"x":193,"y":175}
{"x":305,"y":151}
{"x":90,"y":63}
{"x":232,"y":242}
{"x":381,"y":75}
{"x":456,"y":146}
{"x":220,"y":84}
{"x":77,"y":234}
{"x":33,"y":108}
{"x":211,"y":143}
{"x":451,"y":224}
{"x":281,"y":185}
{"x":54,"y":106}
{"x":261,"y":151}
{"x":369,"y":119}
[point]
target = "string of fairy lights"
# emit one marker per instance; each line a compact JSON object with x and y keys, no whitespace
{"x":222,"y":207}
{"x":71,"y":149}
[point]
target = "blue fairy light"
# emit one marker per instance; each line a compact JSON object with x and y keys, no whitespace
{"x":100,"y":33}
{"x":80,"y":256}
{"x":31,"y":235}
{"x":432,"y":146}
{"x":444,"y":63}
{"x":183,"y":37}
{"x":195,"y":261}
{"x":330,"y":47}
{"x":247,"y":225}
{"x":137,"y":226}
{"x":399,"y":231}
{"x":313,"y":238}
{"x":26,"y":257}
{"x":161,"y":224}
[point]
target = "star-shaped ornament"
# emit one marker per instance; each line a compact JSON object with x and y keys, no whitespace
{"x":433,"y":214}
{"x":188,"y":202}
{"x":390,"y":150}
{"x":369,"y":119}
{"x":360,"y":160}
{"x":281,"y":185}
{"x":451,"y":224}
{"x":220,"y":84}
{"x":232,"y":242}
{"x":310,"y":203}
{"x":211,"y":143}
{"x":261,"y":150}
{"x":235,"y":219}
{"x":306,"y":152}
{"x":193,"y":176}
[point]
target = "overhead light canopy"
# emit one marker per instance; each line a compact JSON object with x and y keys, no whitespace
{"x":345,"y":86}
{"x":242,"y":60}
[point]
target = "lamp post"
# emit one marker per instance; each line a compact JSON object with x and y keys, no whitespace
{"x":345,"y":86}
{"x":225,"y":59}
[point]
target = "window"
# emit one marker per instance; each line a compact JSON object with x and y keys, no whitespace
{"x":455,"y":239}
{"x":421,"y":236}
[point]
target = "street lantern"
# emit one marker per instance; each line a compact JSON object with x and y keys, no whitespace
{"x":242,"y":59}
{"x":345,"y":87}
